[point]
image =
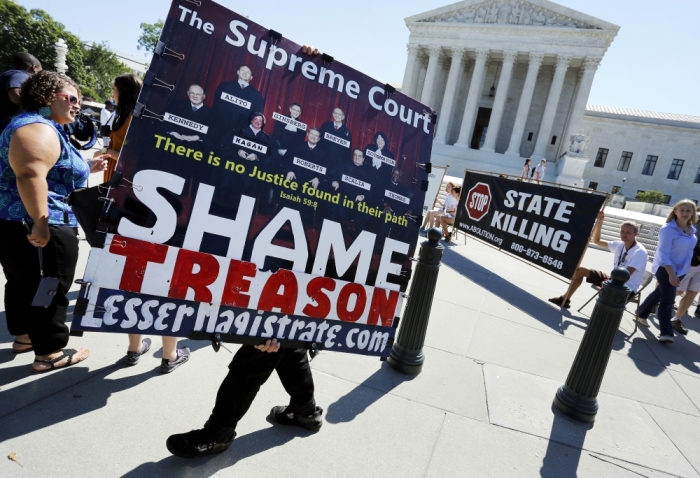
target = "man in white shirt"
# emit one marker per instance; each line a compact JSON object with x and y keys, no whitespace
{"x":627,"y":253}
{"x":539,"y":171}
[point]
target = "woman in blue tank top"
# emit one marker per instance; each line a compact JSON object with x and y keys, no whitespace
{"x":38,"y":168}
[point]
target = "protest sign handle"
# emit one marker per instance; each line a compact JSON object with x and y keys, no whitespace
{"x":248,"y":340}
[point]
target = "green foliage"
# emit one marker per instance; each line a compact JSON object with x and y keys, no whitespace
{"x":36,"y":32}
{"x":654,"y":197}
{"x":103,"y":67}
{"x":150,"y":33}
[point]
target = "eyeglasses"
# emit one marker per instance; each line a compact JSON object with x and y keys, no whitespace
{"x":72,"y":100}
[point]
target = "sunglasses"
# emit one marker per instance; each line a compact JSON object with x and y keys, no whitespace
{"x":72,"y":100}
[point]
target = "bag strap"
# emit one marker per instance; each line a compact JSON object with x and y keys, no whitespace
{"x":41,"y":262}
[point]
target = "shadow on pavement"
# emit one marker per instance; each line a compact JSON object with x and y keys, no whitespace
{"x":359,"y":399}
{"x":242,"y":447}
{"x":564,"y":446}
{"x":85,"y":399}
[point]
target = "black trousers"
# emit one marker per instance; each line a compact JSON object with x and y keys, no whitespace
{"x":251,"y":368}
{"x":46,"y":326}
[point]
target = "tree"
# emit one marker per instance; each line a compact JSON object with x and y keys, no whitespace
{"x":36,"y":32}
{"x":103,"y":68}
{"x":150,"y":34}
{"x":654,"y":197}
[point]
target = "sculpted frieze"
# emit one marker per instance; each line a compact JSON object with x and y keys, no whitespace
{"x":510,"y":12}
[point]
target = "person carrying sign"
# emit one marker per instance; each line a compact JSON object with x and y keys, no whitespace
{"x":627,"y":253}
{"x":248,"y":371}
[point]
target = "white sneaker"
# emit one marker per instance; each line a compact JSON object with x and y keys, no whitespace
{"x":665,"y":339}
{"x":641,"y":321}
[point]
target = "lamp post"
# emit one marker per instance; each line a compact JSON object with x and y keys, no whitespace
{"x":623,"y":185}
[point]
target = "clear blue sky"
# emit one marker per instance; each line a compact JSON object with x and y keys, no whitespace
{"x":653,"y":64}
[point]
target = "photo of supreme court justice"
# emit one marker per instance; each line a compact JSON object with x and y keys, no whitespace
{"x":380,"y":161}
{"x":352,"y":179}
{"x":396,"y":201}
{"x":287,"y":134}
{"x":235,"y":100}
{"x":336,"y":136}
{"x":308,"y":161}
{"x":193,"y":110}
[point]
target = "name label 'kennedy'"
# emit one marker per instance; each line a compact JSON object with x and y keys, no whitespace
{"x":171,"y":118}
{"x":333,"y":138}
{"x":288,"y":120}
{"x":235,"y":100}
{"x":309,"y":165}
{"x":381,"y":158}
{"x":355,"y":182}
{"x":250,"y":144}
{"x":397,"y":197}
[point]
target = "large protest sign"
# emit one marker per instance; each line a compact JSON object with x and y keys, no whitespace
{"x":544,"y":224}
{"x":267,"y":193}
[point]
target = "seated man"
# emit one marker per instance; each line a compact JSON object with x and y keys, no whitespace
{"x":627,"y":253}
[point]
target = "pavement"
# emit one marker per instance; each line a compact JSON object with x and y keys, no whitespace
{"x":496,"y":352}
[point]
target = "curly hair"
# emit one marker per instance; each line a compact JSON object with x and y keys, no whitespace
{"x":40,"y":89}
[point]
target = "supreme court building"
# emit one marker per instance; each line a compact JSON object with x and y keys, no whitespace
{"x":510,"y":79}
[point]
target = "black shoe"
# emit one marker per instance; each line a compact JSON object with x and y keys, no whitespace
{"x":311,"y":422}
{"x":697,"y":313}
{"x":679,"y":327}
{"x":560,"y":302}
{"x":167,"y":366}
{"x":205,"y":441}
{"x":132,"y":358}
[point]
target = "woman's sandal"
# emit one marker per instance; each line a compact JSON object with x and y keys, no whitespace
{"x":29,"y":346}
{"x":65,"y":353}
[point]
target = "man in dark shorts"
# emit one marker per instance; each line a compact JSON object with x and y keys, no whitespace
{"x":627,"y":253}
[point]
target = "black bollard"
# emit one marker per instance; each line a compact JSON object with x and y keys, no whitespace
{"x":578,"y":397}
{"x":407,"y":352}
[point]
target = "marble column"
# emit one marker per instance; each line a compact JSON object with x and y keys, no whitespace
{"x":450,"y":93}
{"x":499,"y":102}
{"x":590,"y":65}
{"x":516,"y":136}
{"x":409,"y":76}
{"x":471,"y":107}
{"x":433,"y":63}
{"x":550,"y":109}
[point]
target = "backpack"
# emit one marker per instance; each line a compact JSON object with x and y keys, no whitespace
{"x":82,"y":129}
{"x":532,"y":172}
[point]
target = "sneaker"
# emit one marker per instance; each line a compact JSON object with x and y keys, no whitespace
{"x":311,"y":422}
{"x":132,"y":358}
{"x":167,"y":366}
{"x":559,"y":301}
{"x":665,"y":339}
{"x":196,"y":443}
{"x":641,"y":321}
{"x":679,"y":327}
{"x":697,"y":313}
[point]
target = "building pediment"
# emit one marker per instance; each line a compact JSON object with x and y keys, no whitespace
{"x":534,"y":13}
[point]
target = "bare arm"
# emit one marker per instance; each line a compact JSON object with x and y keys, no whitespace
{"x":34,"y":149}
{"x":13,"y":93}
{"x":596,"y":231}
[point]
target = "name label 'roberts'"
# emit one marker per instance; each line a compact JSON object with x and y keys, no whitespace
{"x":250,"y":144}
{"x":355,"y":182}
{"x":309,"y":165}
{"x":396,"y":197}
{"x":334,"y":139}
{"x":171,"y":118}
{"x":235,"y":100}
{"x":290,"y":121}
{"x":381,"y":158}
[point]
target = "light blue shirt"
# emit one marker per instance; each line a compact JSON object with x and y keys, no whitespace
{"x":675,"y":248}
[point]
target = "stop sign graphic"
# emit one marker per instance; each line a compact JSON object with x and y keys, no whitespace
{"x":478,"y":201}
